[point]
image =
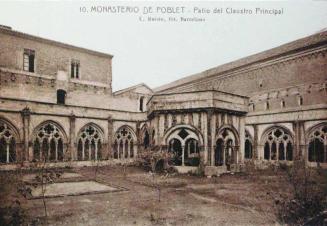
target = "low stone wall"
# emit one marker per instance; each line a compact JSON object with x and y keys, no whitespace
{"x":36,"y":165}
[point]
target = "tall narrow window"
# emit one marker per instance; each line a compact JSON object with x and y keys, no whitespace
{"x":300,"y":100}
{"x":61,"y":96}
{"x":141,"y":104}
{"x":28,"y":61}
{"x":74,"y":69}
{"x":282,"y":104}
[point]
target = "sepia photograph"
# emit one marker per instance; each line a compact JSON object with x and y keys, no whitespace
{"x":163,"y":113}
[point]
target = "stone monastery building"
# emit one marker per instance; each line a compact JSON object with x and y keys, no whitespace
{"x":56,"y":103}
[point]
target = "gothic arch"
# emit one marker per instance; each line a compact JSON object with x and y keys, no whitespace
{"x":145,"y":136}
{"x":184,"y":142}
{"x":9,"y":138}
{"x":49,"y":142}
{"x":278,"y":143}
{"x":173,"y":129}
{"x":125,"y":143}
{"x":232,"y":129}
{"x":90,"y":140}
{"x":316,"y":140}
{"x":226,"y":146}
{"x":248,"y":145}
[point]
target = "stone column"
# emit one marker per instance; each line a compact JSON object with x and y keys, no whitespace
{"x":26,"y":116}
{"x":138,"y":134}
{"x":109,"y":148}
{"x":255,"y":142}
{"x":157,"y":135}
{"x":299,"y":151}
{"x":183,"y":154}
{"x":241,"y":149}
{"x":71,"y":146}
{"x":209,"y":135}
{"x":135,"y":150}
{"x":213,"y":142}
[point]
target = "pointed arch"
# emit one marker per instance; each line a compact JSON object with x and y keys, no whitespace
{"x":173,"y":130}
{"x":229,"y":128}
{"x":90,"y":139}
{"x":316,"y":138}
{"x":226,"y":146}
{"x":144,"y":136}
{"x":248,"y":146}
{"x":184,"y":141}
{"x":9,"y":138}
{"x":278,"y":143}
{"x":125,"y":141}
{"x":49,"y":142}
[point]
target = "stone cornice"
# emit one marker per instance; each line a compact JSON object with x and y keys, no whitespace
{"x":52,"y":42}
{"x":256,"y":66}
{"x":289,"y":110}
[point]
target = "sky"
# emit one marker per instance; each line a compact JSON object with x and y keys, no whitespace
{"x":159,"y":52}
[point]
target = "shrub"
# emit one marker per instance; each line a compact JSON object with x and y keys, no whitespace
{"x":308,"y":195}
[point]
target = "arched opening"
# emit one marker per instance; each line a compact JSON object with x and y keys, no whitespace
{"x":267,"y":151}
{"x":278,"y":145}
{"x":184,"y":142}
{"x":61,"y":96}
{"x":226,"y":151}
{"x":317,"y":148}
{"x":146,"y":139}
{"x":248,"y":152}
{"x":219,"y":152}
{"x":248,"y":149}
{"x":281,"y":151}
{"x":175,"y":147}
{"x":80,"y":150}
{"x":7,"y":143}
{"x":48,"y":143}
{"x":191,"y":153}
{"x":90,"y":139}
{"x":124,"y":143}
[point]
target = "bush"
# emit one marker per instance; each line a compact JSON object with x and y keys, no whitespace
{"x":154,"y":158}
{"x":308,"y":195}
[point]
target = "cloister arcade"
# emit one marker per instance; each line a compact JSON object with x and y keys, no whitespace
{"x":278,"y":144}
{"x":49,"y":142}
{"x":185,"y":143}
{"x":8,"y":140}
{"x":90,"y":140}
{"x":227,"y":147}
{"x":125,"y":143}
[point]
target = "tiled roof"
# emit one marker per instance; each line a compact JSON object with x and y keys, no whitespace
{"x":312,"y":41}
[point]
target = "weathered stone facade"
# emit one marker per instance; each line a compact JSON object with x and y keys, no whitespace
{"x":57,"y":102}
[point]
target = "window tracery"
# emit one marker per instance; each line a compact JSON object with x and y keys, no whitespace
{"x":278,"y":145}
{"x":225,"y":150}
{"x":48,"y":143}
{"x":124,"y":144}
{"x":7,"y":144}
{"x":317,"y":149}
{"x":90,"y":142}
